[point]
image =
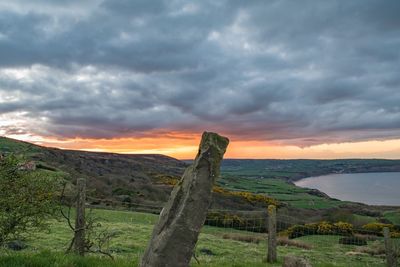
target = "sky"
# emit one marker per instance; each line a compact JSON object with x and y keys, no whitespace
{"x":281,"y":79}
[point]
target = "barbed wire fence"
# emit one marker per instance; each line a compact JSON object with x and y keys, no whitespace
{"x":270,"y":229}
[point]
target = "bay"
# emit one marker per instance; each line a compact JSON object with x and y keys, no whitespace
{"x":369,"y":188}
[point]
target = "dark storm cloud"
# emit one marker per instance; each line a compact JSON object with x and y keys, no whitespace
{"x":302,"y":72}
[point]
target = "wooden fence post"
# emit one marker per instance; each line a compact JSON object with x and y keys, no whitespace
{"x":271,"y":256}
{"x":80,"y":217}
{"x":390,"y":256}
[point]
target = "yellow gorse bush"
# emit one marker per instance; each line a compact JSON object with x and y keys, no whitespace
{"x":248,"y":196}
{"x":320,"y":228}
{"x":378,"y":227}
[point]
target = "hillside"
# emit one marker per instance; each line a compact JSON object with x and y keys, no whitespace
{"x":131,"y":178}
{"x":118,"y":179}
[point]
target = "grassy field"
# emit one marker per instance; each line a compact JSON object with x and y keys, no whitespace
{"x":213,"y":249}
{"x":393,"y":216}
{"x":279,"y":189}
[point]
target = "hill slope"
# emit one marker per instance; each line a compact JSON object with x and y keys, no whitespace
{"x":132,"y":178}
{"x":115,"y":178}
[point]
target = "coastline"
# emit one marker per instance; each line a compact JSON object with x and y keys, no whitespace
{"x":359,"y":189}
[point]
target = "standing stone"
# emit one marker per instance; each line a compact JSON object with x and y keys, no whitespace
{"x":175,"y":235}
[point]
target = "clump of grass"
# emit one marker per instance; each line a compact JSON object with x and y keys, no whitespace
{"x":243,"y":238}
{"x":376,"y":248}
{"x":367,"y":237}
{"x":256,"y":239}
{"x":285,"y":241}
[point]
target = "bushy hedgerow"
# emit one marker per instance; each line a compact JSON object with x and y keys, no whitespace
{"x":236,"y":221}
{"x":339,"y":228}
{"x":377,"y":228}
{"x":321,"y":228}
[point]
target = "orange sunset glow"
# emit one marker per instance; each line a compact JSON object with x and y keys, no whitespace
{"x":184,"y":146}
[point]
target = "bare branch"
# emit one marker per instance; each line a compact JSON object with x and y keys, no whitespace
{"x":68,"y":215}
{"x":70,"y":245}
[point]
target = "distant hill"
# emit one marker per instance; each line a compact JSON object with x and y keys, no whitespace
{"x":293,"y":170}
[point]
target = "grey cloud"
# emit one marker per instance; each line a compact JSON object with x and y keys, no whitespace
{"x":303,"y":73}
{"x":12,"y":130}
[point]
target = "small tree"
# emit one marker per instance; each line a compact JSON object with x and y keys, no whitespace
{"x":27,"y":198}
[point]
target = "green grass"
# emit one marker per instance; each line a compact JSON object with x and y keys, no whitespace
{"x":393,"y":216}
{"x":10,"y":145}
{"x":58,"y":259}
{"x":134,"y":230}
{"x":362,"y":219}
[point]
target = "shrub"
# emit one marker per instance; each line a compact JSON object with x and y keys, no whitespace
{"x":353,"y":240}
{"x":324,"y":228}
{"x":343,"y":228}
{"x":321,"y":228}
{"x":236,"y":221}
{"x":248,"y":196}
{"x":301,"y":230}
{"x":377,"y":227}
{"x":395,"y":234}
{"x":27,"y":198}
